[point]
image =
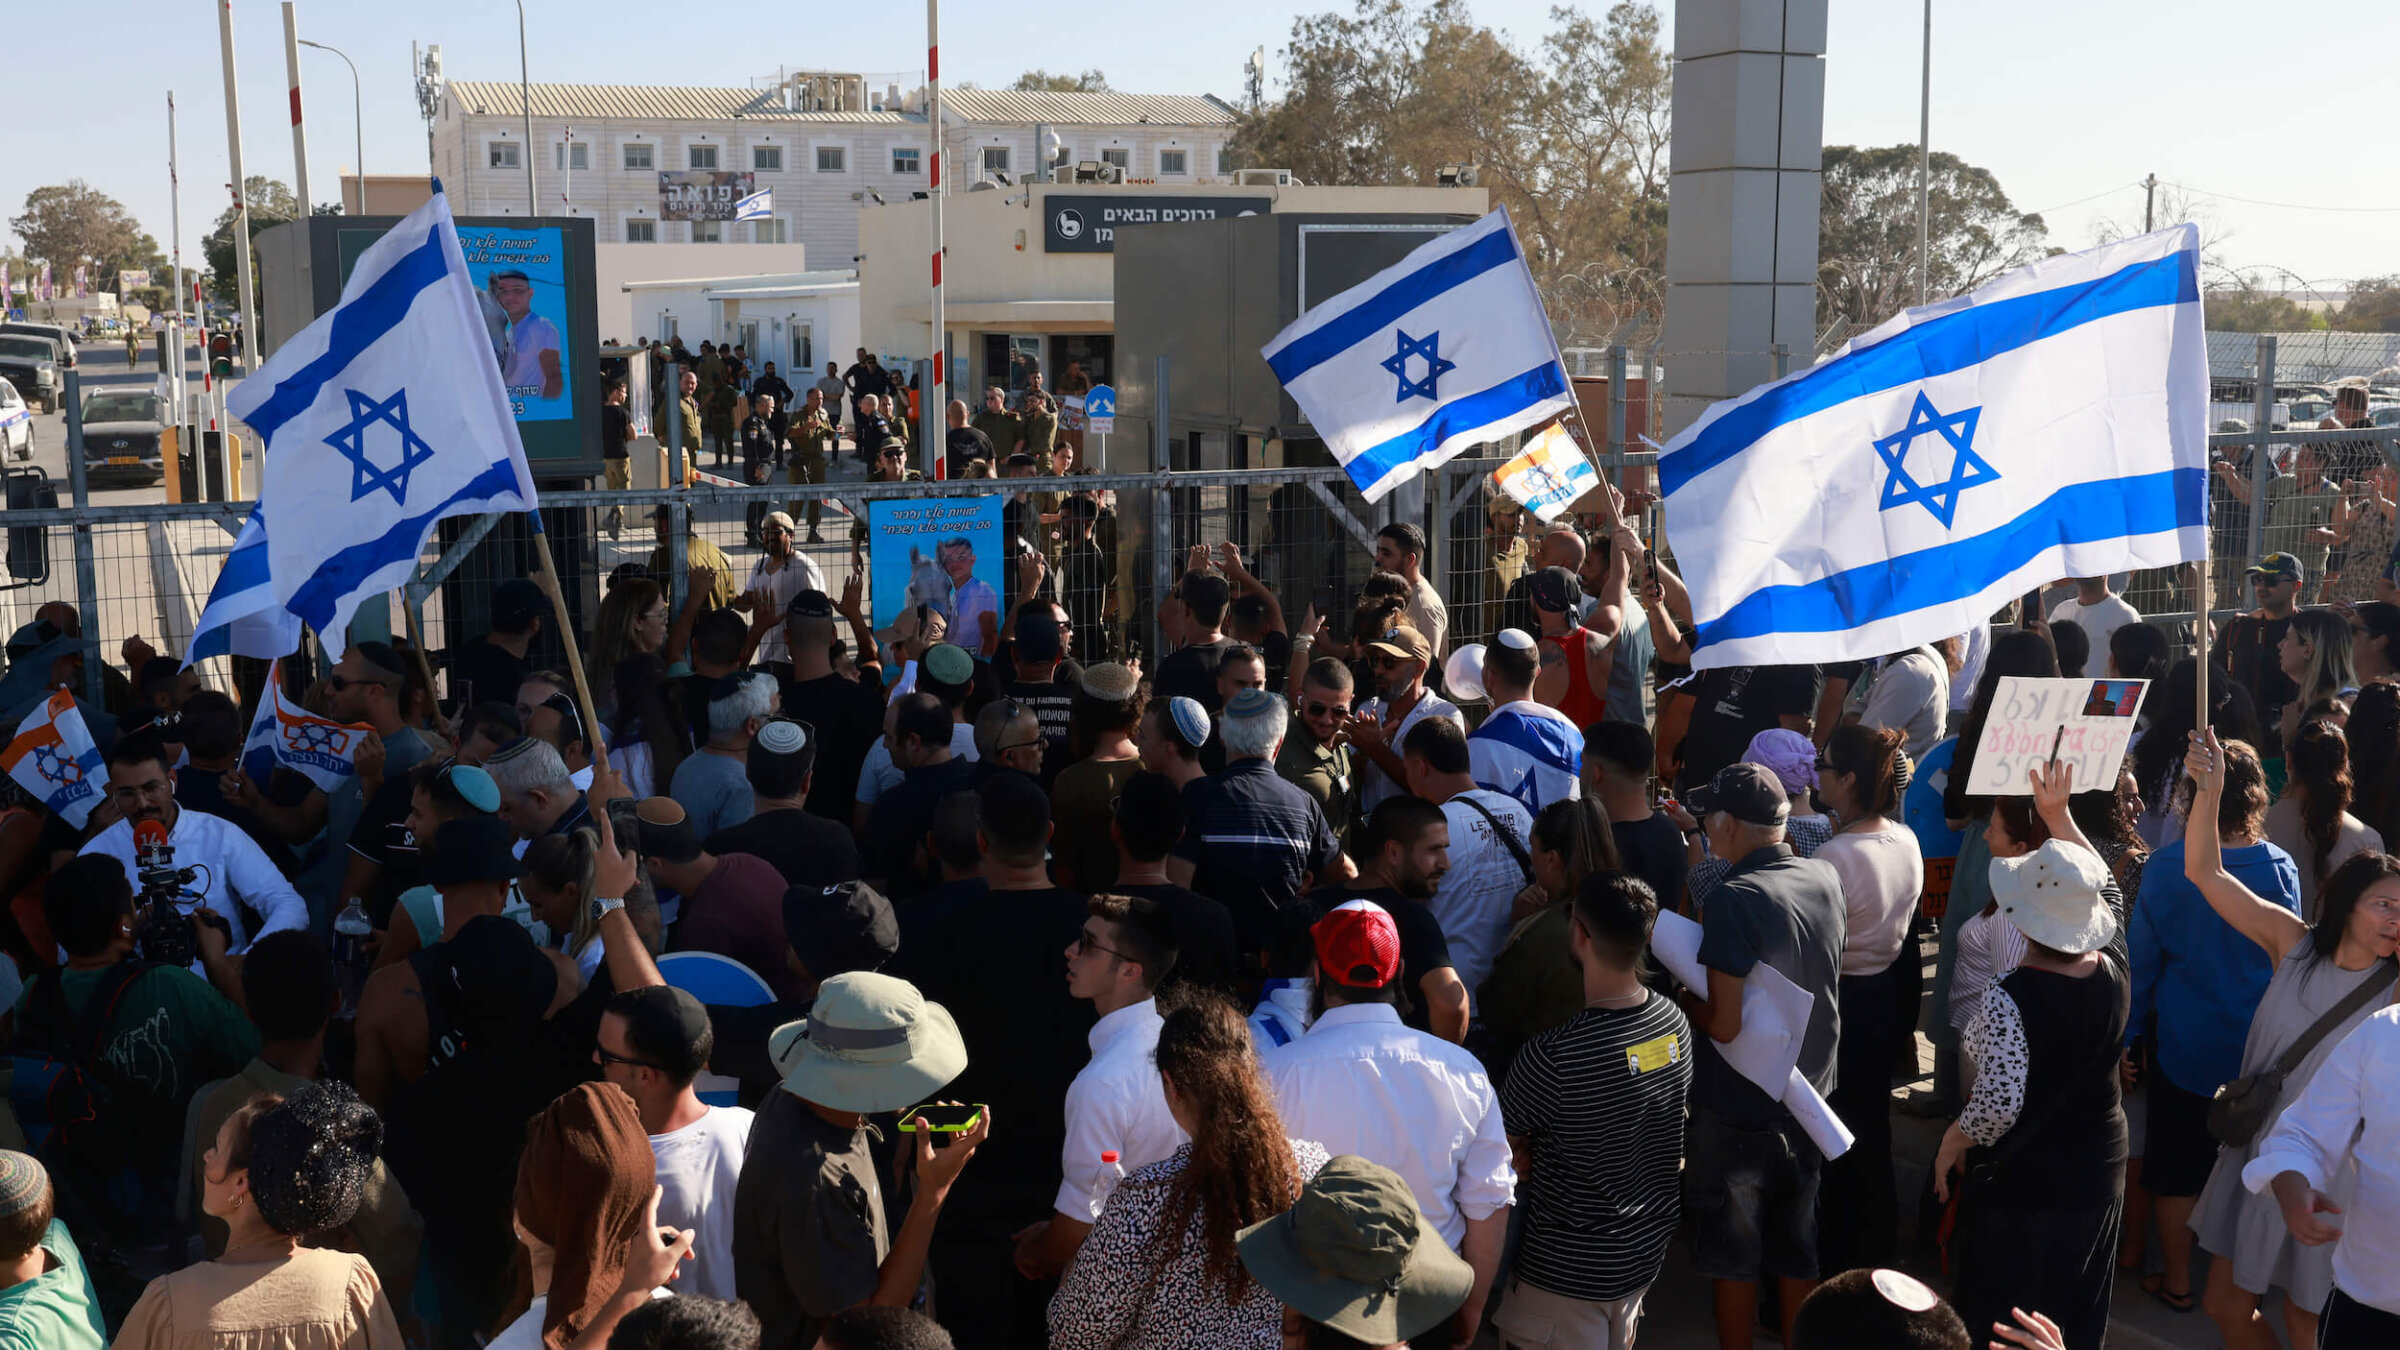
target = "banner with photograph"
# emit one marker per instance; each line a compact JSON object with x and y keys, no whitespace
{"x":944,"y":552}
{"x":520,"y":280}
{"x":701,"y":194}
{"x":130,"y":278}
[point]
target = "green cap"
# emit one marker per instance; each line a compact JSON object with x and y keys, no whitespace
{"x":1355,"y":1254}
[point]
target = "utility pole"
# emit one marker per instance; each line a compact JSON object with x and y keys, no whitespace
{"x":175,"y":312}
{"x":933,"y":406}
{"x":2149,"y":203}
{"x":533,"y":204}
{"x":291,"y":65}
{"x":245,"y":285}
{"x":1925,"y":166}
{"x":426,"y":69}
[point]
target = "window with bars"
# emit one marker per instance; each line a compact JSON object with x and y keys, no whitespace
{"x":1171,"y":162}
{"x":574,"y":155}
{"x":639,"y":157}
{"x":832,"y":158}
{"x":641,"y":232}
{"x":700,"y":156}
{"x":995,"y":159}
{"x":1119,"y":156}
{"x":907,"y":159}
{"x":767,"y":232}
{"x":504,"y":155}
{"x":708,"y":232}
{"x":766,"y":158}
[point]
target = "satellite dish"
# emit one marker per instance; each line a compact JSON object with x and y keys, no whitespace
{"x":1462,"y":674}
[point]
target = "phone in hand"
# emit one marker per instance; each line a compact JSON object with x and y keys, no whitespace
{"x":941,"y":1119}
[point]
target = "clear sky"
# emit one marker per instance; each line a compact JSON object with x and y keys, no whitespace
{"x":2069,"y":102}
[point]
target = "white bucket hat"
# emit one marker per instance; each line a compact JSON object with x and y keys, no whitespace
{"x":872,"y":1043}
{"x":2053,"y":897}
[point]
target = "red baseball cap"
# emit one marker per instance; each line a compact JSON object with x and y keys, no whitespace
{"x":1357,"y":945}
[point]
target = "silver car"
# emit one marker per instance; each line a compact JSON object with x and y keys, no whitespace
{"x":121,"y":436}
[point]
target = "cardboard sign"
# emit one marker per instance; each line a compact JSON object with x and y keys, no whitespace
{"x":2086,"y":723}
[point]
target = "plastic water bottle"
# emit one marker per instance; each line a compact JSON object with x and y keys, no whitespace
{"x":1111,"y":1172}
{"x":351,"y":928}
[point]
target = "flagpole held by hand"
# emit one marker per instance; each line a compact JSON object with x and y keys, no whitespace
{"x":566,"y":634}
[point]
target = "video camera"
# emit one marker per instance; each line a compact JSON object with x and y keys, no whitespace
{"x":163,"y":931}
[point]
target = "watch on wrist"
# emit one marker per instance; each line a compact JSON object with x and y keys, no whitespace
{"x":602,"y":908}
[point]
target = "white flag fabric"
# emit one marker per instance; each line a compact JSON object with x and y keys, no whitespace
{"x":380,"y":418}
{"x":1549,"y":475}
{"x":759,"y":205}
{"x":243,"y":617}
{"x":1445,"y":349}
{"x":286,"y":734}
{"x":2051,"y":424}
{"x":54,"y":758}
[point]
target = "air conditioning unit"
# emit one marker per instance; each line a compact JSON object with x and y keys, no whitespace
{"x":1098,"y":171}
{"x":1454,"y":175}
{"x":1263,"y":177}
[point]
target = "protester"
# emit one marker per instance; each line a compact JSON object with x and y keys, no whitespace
{"x":1253,"y":842}
{"x":1488,"y":863}
{"x":1400,"y":657}
{"x":1356,"y":1264}
{"x":2042,"y":1196}
{"x":687,"y":1321}
{"x":2203,"y":981}
{"x":586,"y":1214}
{"x":893,"y":840}
{"x":945,"y":671}
{"x":1361,"y":1083}
{"x":653,"y":1043}
{"x":2250,"y":647}
{"x":1191,"y":670}
{"x":780,"y":573}
{"x":1160,"y":1268}
{"x":1108,"y":706}
{"x":2096,"y":609}
{"x":1117,"y":1117}
{"x":1617,"y":760}
{"x":732,"y":905}
{"x":2328,"y":979}
{"x":492,"y":666}
{"x":713,"y":786}
{"x":2374,"y":735}
{"x":1576,"y":661}
{"x":1751,"y":1177}
{"x":1911,"y":694}
{"x":1524,"y":749}
{"x":537,"y":795}
{"x":806,"y":849}
{"x":1733,"y":704}
{"x":1862,"y":776}
{"x":1401,"y":548}
{"x":1316,"y":755}
{"x":548,"y":712}
{"x":1147,"y":819}
{"x":1535,"y":983}
{"x":2311,"y":821}
{"x":1879,"y":1310}
{"x":810,"y":1235}
{"x":282,"y":1169}
{"x":46,"y":1298}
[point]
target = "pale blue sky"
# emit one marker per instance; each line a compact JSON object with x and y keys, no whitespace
{"x":2063,"y":99}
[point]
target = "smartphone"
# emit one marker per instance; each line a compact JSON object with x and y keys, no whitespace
{"x":942,"y":1118}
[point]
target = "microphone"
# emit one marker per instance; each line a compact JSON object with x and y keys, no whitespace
{"x":150,"y":846}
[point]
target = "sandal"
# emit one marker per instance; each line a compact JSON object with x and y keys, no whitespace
{"x":2155,"y":1285}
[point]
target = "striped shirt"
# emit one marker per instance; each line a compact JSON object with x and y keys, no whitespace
{"x":1601,"y":1100}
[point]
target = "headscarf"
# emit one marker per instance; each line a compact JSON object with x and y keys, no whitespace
{"x":310,"y":1158}
{"x":583,"y":1187}
{"x":1787,"y":754}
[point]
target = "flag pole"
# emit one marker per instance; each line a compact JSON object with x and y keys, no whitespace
{"x":408,"y":612}
{"x":566,"y":634}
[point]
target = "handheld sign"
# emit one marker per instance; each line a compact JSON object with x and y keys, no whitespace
{"x":2085,"y":723}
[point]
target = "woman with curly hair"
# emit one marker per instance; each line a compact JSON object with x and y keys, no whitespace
{"x":1160,"y":1271}
{"x":283,"y":1170}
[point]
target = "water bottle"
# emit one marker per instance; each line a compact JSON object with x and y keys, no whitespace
{"x":351,"y":928}
{"x":1111,"y":1172}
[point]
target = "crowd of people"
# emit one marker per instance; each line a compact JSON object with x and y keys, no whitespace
{"x":824,"y":985}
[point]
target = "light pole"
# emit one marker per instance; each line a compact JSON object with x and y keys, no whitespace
{"x":1924,"y":164}
{"x":533,"y":204}
{"x":357,"y":118}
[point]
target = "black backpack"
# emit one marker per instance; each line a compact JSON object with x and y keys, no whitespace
{"x":93,"y":1120}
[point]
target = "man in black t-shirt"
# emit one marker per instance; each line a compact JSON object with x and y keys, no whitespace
{"x":489,"y":669}
{"x":963,"y":442}
{"x":1731,"y":704}
{"x":616,"y":449}
{"x":849,"y":713}
{"x":808,"y":850}
{"x":1403,"y":853}
{"x":1147,"y":823}
{"x":1191,"y":670}
{"x":1617,"y":757}
{"x":2248,"y":648}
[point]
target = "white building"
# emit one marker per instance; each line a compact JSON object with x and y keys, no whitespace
{"x":823,"y":144}
{"x":798,"y":320}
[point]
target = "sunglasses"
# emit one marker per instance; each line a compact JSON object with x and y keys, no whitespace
{"x":601,"y":1053}
{"x":1086,"y":944}
{"x":1325,"y":709}
{"x":1387,"y":663}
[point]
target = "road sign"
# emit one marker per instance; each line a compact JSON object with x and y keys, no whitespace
{"x":1100,"y":410}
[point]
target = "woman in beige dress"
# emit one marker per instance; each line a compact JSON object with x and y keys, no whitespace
{"x":282,"y":1169}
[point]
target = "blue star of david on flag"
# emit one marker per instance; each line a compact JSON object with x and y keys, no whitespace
{"x":351,"y":439}
{"x":308,"y":736}
{"x":1428,"y":347}
{"x":1967,"y":470}
{"x":55,"y":767}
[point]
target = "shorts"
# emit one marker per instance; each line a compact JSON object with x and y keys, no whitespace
{"x":2178,"y":1152}
{"x":1752,"y":1195}
{"x":1536,"y":1319}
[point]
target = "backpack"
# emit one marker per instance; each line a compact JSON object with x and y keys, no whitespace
{"x":83,"y":1117}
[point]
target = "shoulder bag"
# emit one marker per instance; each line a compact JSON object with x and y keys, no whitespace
{"x":2242,"y":1108}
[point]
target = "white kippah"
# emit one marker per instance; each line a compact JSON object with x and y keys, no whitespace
{"x":1516,"y":638}
{"x":782,"y":737}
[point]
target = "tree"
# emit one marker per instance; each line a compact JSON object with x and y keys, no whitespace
{"x":1867,"y":232}
{"x":271,"y":203}
{"x":1572,"y":143}
{"x":2373,"y":307}
{"x":74,"y":223}
{"x":1043,"y":82}
{"x":2238,"y":304}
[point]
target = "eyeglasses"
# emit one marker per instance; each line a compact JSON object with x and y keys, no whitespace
{"x":1325,"y":709}
{"x":1017,"y":745}
{"x":601,"y":1053}
{"x":1824,"y":765}
{"x":1085,"y":945}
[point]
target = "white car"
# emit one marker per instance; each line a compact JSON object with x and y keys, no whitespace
{"x":16,"y":423}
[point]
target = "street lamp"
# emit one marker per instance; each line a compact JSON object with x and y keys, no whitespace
{"x":533,"y":205}
{"x":358,"y":123}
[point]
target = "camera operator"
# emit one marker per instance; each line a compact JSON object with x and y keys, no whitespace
{"x":224,"y":865}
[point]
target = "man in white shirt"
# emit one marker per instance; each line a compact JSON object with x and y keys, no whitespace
{"x":2351,"y":1108}
{"x":225,"y":863}
{"x":1361,"y":1083}
{"x":1489,"y":863}
{"x":2097,"y":610}
{"x":653,"y":1043}
{"x":1117,"y":1103}
{"x":1400,"y":548}
{"x":780,"y":573}
{"x":1400,"y":659}
{"x":1526,"y":750}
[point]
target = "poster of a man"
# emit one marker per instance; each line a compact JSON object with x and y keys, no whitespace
{"x":974,"y":604}
{"x":532,"y":339}
{"x":943,"y":554}
{"x":521,"y":281}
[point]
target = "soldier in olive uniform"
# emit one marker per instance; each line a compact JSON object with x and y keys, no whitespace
{"x":999,"y":425}
{"x":716,"y":410}
{"x":812,"y":438}
{"x":1316,"y":756}
{"x":1039,"y":423}
{"x":690,"y":404}
{"x":697,"y":552}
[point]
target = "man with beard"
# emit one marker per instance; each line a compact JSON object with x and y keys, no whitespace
{"x":1399,"y":660}
{"x":1403,"y":852}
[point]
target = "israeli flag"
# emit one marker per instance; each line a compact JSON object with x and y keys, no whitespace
{"x":243,"y":617}
{"x":286,"y":735}
{"x":380,"y":418}
{"x":54,"y":758}
{"x":1445,"y":349}
{"x":758,"y":205}
{"x":2052,"y":424}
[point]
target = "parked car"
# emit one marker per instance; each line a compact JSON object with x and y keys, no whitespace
{"x":122,"y":437}
{"x":16,"y":423}
{"x":59,"y":333}
{"x":32,"y":364}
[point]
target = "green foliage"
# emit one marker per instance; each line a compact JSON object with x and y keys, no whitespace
{"x":1043,"y":82}
{"x":2373,"y":307}
{"x":2241,"y":305}
{"x":73,"y":222}
{"x":1867,"y":232}
{"x":271,"y":203}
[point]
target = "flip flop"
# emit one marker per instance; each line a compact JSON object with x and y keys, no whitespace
{"x":2155,"y":1285}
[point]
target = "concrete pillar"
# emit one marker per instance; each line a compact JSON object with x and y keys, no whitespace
{"x":1742,"y":191}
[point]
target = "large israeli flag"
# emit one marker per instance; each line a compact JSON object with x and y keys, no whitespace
{"x":243,"y":617}
{"x":380,"y":418}
{"x":1445,"y":349}
{"x":2052,"y":424}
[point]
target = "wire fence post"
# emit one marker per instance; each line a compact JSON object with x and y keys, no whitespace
{"x":2262,"y":463}
{"x":1162,"y":516}
{"x":679,"y":512}
{"x":1616,"y":410}
{"x":87,"y":580}
{"x":1782,"y":352}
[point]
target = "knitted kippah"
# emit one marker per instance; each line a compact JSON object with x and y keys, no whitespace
{"x":22,"y":1181}
{"x":782,"y":737}
{"x":1191,"y":721}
